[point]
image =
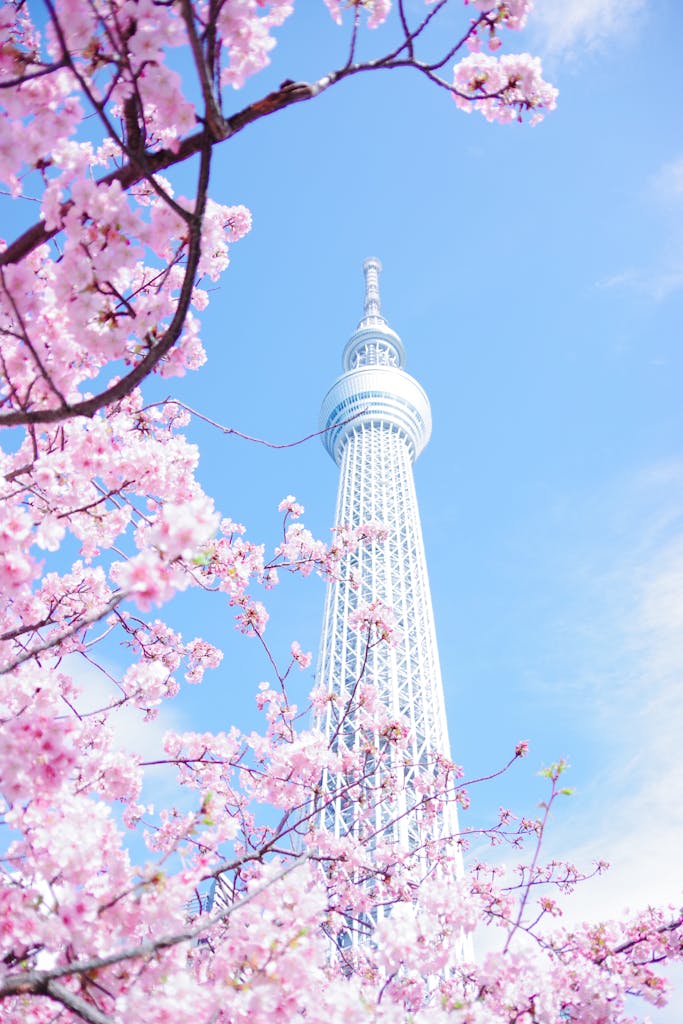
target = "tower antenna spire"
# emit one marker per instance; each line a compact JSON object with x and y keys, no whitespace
{"x":372,"y":305}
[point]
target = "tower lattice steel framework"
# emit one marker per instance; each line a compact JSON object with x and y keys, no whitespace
{"x":376,"y":420}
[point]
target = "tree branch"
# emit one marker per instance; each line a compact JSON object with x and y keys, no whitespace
{"x":85,"y":1010}
{"x":155,"y":161}
{"x":37,"y":982}
{"x":65,"y":634}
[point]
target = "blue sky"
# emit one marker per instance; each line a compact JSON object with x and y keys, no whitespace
{"x":536,"y":279}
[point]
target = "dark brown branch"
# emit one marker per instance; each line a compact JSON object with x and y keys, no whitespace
{"x":627,"y":946}
{"x":147,"y":163}
{"x":214,"y":119}
{"x":156,"y":352}
{"x":406,"y":30}
{"x":131,"y":173}
{"x":46,"y":69}
{"x":460,"y":43}
{"x":85,"y":1010}
{"x":289,"y":93}
{"x":136,"y":147}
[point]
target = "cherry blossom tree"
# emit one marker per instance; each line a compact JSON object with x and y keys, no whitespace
{"x":103,"y":290}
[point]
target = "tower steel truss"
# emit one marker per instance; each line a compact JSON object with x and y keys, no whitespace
{"x":376,"y":421}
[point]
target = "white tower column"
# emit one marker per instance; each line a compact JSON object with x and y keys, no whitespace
{"x":377,"y":420}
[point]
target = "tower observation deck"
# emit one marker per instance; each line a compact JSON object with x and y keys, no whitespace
{"x":377,"y":420}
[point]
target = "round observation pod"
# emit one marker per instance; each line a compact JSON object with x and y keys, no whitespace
{"x":381,"y":396}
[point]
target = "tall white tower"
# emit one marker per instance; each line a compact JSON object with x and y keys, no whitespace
{"x":376,"y":420}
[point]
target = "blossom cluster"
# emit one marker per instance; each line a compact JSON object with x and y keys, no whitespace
{"x":377,"y":10}
{"x":229,"y":901}
{"x":377,"y":619}
{"x":503,"y":88}
{"x":493,"y":15}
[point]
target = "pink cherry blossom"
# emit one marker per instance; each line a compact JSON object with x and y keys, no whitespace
{"x":377,"y":10}
{"x":291,"y":507}
{"x":303,"y":659}
{"x":229,"y":901}
{"x":377,"y":619}
{"x":503,"y":88}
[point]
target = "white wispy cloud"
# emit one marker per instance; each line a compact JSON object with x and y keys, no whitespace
{"x":656,"y":283}
{"x":631,"y":812}
{"x":131,"y":733}
{"x":666,"y":184}
{"x":664,"y":187}
{"x":584,"y":25}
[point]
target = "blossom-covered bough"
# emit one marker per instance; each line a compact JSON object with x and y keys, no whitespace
{"x":102,"y":290}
